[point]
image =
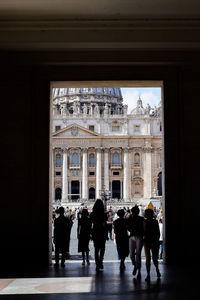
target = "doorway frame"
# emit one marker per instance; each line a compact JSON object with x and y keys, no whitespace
{"x":105,"y":83}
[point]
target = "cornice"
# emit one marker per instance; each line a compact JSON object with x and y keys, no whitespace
{"x":100,"y":34}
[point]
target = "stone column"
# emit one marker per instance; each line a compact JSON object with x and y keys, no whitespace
{"x":64,"y":177}
{"x":98,"y":174}
{"x":84,"y":175}
{"x":147,"y":173}
{"x":106,"y":169}
{"x":148,"y":126}
{"x":125,"y":185}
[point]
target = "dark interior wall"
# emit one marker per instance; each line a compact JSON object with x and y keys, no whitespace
{"x":25,"y":91}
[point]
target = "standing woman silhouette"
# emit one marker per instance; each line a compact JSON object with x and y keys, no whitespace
{"x":99,"y":232}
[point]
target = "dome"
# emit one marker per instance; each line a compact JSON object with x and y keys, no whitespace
{"x":88,"y":101}
{"x":84,"y":95}
{"x":139,"y":110}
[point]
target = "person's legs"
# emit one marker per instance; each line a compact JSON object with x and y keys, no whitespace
{"x":101,"y":257}
{"x":63,"y":251}
{"x":155,"y":250}
{"x":57,"y":254}
{"x":122,"y":265}
{"x":139,"y":245}
{"x":132,"y":248}
{"x":83,"y":257}
{"x":96,"y":256}
{"x":148,"y":259}
{"x":87,"y":257}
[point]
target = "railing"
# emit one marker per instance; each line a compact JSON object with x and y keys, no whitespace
{"x":73,"y":166}
{"x":116,"y":166}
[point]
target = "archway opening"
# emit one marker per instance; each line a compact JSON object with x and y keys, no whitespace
{"x":91,"y":193}
{"x":116,"y":189}
{"x":110,"y":144}
{"x":58,"y":194}
{"x":75,"y":189}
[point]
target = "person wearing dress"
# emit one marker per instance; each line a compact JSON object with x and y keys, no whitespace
{"x":121,"y":237}
{"x":84,"y":235}
{"x":99,"y":232}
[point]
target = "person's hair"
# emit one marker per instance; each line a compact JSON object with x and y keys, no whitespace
{"x":84,"y":213}
{"x":135,"y":210}
{"x":61,"y":210}
{"x":121,"y":213}
{"x":98,"y":208}
{"x":149,"y":213}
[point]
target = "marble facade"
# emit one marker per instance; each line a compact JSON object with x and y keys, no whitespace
{"x":98,"y":146}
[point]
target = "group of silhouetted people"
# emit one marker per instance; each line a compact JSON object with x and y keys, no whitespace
{"x":131,"y":235}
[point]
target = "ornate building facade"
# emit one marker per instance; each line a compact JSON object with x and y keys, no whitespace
{"x":98,"y":146}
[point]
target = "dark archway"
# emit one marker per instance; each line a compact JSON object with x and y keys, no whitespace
{"x":58,"y":194}
{"x":75,"y":189}
{"x":92,"y":193}
{"x":160,"y":184}
{"x":116,"y":189}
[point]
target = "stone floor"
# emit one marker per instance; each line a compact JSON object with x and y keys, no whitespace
{"x":78,"y":282}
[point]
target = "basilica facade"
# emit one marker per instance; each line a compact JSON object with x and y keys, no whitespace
{"x":100,"y":149}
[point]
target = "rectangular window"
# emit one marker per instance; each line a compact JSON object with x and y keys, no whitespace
{"x":58,"y":173}
{"x":136,"y":128}
{"x":115,"y":173}
{"x":91,"y":127}
{"x":115,"y":128}
{"x":136,"y":173}
{"x":91,"y":173}
{"x":58,"y":127}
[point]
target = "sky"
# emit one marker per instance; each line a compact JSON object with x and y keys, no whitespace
{"x":147,"y":95}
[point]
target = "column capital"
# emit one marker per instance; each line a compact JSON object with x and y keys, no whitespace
{"x":126,"y":149}
{"x":147,"y":149}
{"x":106,"y":150}
{"x":84,"y":150}
{"x":65,"y":149}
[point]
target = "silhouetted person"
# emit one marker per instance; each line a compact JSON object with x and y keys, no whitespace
{"x":84,"y":235}
{"x":61,"y":229}
{"x":99,"y":232}
{"x":121,"y":236}
{"x":151,"y":241}
{"x":135,"y":226}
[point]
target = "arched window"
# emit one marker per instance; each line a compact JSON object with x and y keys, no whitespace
{"x":58,"y":194}
{"x":115,"y":159}
{"x":91,"y":160}
{"x":75,"y":158}
{"x":137,"y":160}
{"x":58,"y":160}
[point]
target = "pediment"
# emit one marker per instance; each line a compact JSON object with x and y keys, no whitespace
{"x":75,"y":131}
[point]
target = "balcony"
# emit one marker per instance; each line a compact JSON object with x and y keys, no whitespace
{"x":116,"y":166}
{"x":74,"y":166}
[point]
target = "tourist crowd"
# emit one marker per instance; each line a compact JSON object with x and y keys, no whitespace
{"x":132,"y":229}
